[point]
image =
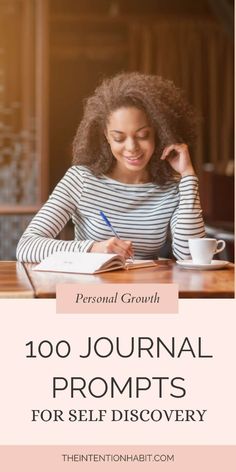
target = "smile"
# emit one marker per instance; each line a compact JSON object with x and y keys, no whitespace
{"x":134,"y":158}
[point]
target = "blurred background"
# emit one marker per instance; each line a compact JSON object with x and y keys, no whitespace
{"x":53,"y":53}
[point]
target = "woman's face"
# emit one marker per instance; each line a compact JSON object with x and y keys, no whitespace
{"x":131,"y":139}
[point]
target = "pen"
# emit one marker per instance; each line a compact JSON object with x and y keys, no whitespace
{"x":108,"y":223}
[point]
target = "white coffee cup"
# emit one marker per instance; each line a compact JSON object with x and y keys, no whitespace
{"x":202,"y":250}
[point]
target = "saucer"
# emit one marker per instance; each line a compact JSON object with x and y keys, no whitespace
{"x":188,"y":264}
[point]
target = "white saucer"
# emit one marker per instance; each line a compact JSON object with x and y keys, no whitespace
{"x":212,"y":266}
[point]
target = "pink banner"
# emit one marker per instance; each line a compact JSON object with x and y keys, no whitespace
{"x":116,"y":458}
{"x":120,"y":298}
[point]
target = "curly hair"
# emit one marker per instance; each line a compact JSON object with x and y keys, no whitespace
{"x":165,"y":106}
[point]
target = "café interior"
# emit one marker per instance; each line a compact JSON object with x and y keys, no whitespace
{"x":52,"y":55}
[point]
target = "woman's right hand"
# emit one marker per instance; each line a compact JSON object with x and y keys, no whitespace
{"x":114,"y":245}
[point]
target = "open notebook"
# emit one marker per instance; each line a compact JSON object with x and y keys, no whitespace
{"x":88,"y":263}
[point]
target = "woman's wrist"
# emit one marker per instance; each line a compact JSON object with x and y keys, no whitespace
{"x":188,"y":172}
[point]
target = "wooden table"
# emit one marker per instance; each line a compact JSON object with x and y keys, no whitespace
{"x":19,"y":281}
{"x":192,"y":283}
{"x":14,"y":281}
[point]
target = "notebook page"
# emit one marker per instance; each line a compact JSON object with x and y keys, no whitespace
{"x":77,"y":262}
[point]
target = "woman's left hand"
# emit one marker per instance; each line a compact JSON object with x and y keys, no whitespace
{"x":179,"y":159}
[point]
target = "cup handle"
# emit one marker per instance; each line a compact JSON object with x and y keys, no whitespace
{"x":220,"y":241}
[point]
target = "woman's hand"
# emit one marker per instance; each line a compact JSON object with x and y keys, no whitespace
{"x":179,"y":159}
{"x":114,"y":245}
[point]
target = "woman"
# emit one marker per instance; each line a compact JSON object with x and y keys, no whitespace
{"x":131,"y":161}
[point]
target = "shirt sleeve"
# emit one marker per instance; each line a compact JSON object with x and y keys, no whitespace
{"x":186,"y":221}
{"x":38,"y":241}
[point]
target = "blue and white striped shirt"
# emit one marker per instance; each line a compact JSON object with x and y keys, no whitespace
{"x":141,"y":213}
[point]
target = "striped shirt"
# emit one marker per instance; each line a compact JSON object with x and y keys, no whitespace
{"x":141,"y":213}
